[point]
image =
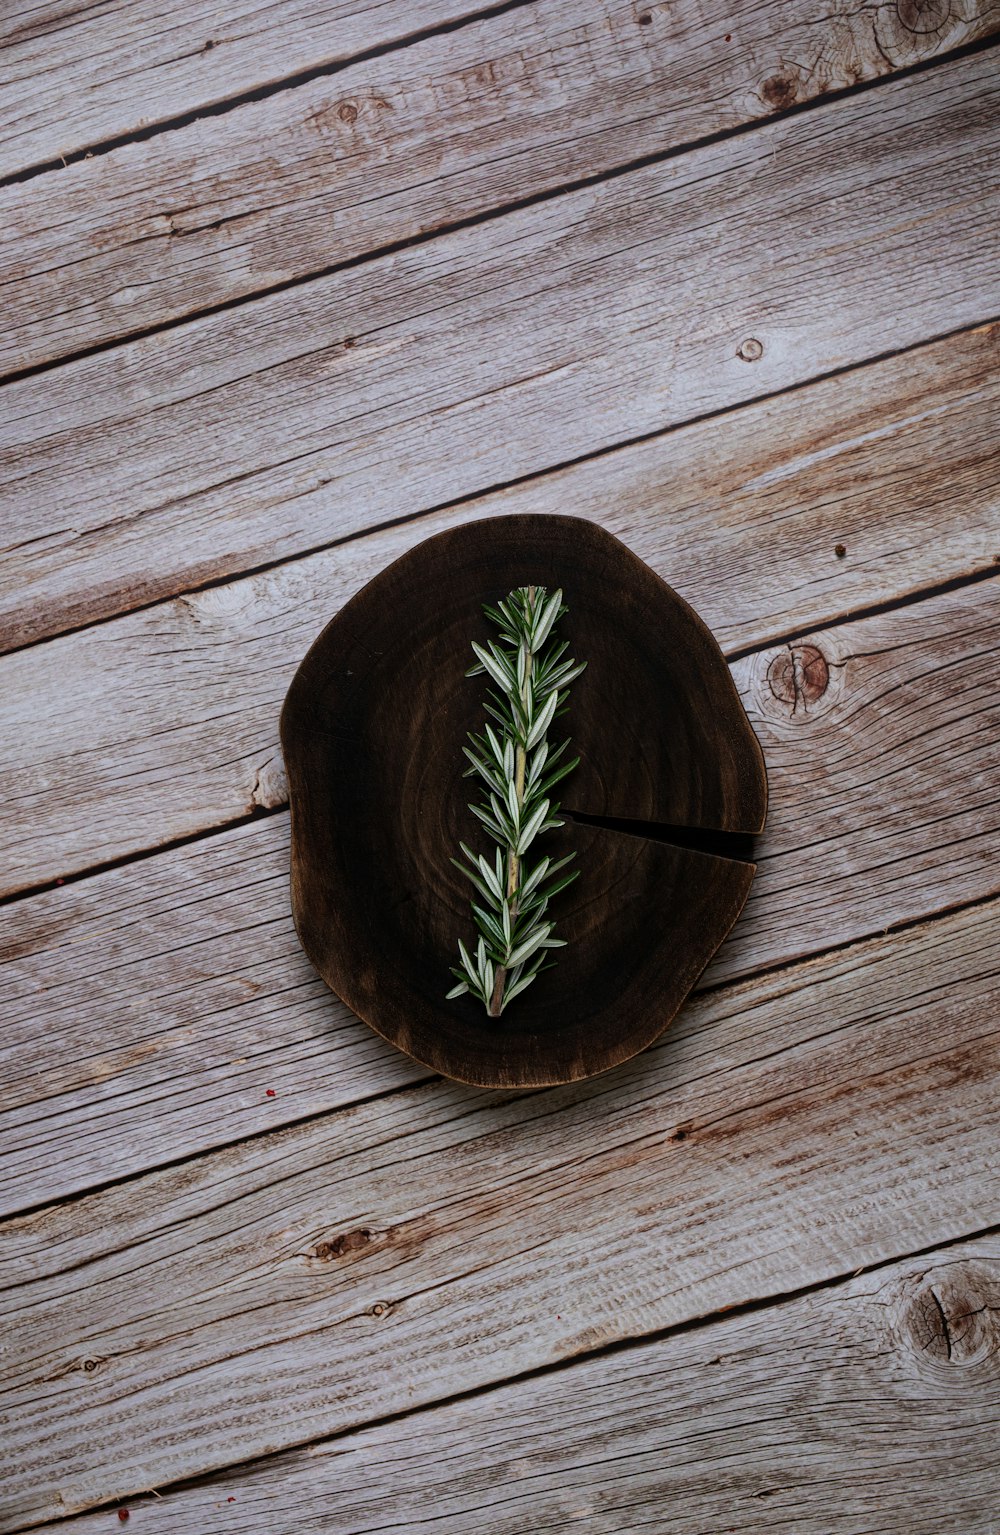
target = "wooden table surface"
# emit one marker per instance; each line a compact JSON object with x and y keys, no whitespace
{"x":287,"y":288}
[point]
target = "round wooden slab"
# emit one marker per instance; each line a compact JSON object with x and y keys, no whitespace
{"x":372,"y":731}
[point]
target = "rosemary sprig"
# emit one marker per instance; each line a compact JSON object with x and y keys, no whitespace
{"x":531,"y":677}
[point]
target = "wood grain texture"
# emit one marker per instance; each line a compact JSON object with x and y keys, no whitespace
{"x":149,"y":1008}
{"x":742,"y":515}
{"x":551,"y":332}
{"x":148,"y":1011}
{"x":373,"y":731}
{"x":874,"y":1404}
{"x":503,"y":109}
{"x":789,"y":1130}
{"x":111,"y":70}
{"x":363,"y":1243}
{"x":883,"y":747}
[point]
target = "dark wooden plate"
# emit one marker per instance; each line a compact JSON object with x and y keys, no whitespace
{"x":373,"y":729}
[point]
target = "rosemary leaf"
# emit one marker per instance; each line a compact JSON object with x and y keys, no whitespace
{"x":518,"y":770}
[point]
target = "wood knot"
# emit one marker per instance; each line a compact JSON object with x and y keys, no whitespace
{"x":953,"y":1317}
{"x":347,"y":112}
{"x":750,"y":350}
{"x":349,"y":1242}
{"x":923,"y":16}
{"x":381,"y":1309}
{"x":798,"y":676}
{"x":779,"y":91}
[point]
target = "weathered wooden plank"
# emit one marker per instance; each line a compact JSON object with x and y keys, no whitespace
{"x":835,"y":1115}
{"x":742,"y":514}
{"x":150,"y":1008}
{"x":112,"y":69}
{"x":246,"y":436}
{"x":512,"y":106}
{"x":883,"y":749}
{"x":875,"y":1399}
{"x":149,"y":1011}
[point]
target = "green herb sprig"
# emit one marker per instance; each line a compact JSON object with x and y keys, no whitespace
{"x":532,"y":678}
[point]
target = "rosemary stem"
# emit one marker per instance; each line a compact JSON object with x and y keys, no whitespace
{"x":513,"y":862}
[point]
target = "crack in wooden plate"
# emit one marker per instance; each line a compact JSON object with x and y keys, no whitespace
{"x":372,"y":731}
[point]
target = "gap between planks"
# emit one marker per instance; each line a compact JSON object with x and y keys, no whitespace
{"x":847,"y":1108}
{"x":150,"y":1008}
{"x":529,"y":106}
{"x":394,"y":1069}
{"x":178,"y":98}
{"x":467,"y":505}
{"x":848,"y":58}
{"x":891,"y":463}
{"x":196,"y":453}
{"x":223,"y":978}
{"x":730,"y":1370}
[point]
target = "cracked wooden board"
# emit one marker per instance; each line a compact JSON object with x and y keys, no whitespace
{"x":877,"y":1393}
{"x":743,"y":515}
{"x":373,"y":729}
{"x":416,"y":379}
{"x":114,"y":70}
{"x":798,"y":1126}
{"x":500,"y":110}
{"x":882,"y":810}
{"x":172,"y":1018}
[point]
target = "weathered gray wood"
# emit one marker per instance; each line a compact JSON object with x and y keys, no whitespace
{"x":742,"y":514}
{"x":149,"y":1009}
{"x":110,"y":70}
{"x":791,"y":1129}
{"x":549,"y":332}
{"x":882,"y":740}
{"x":515,"y":105}
{"x":869,"y":1405}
